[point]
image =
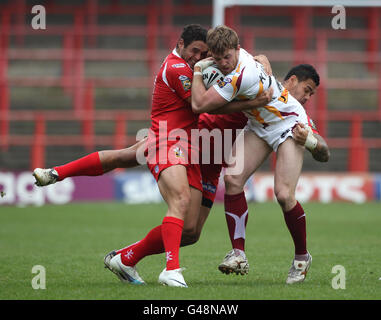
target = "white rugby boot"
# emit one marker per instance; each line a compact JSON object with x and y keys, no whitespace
{"x":45,"y":177}
{"x":172,"y":278}
{"x":108,"y":258}
{"x":234,"y":261}
{"x":125,"y":273}
{"x":298,"y":270}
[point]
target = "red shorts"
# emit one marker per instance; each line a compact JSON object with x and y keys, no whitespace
{"x":164,"y":154}
{"x":193,"y":173}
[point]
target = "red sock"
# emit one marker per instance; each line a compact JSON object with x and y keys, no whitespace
{"x":151,"y":244}
{"x":296,"y":224}
{"x":236,"y":214}
{"x":89,"y":165}
{"x":171,"y":230}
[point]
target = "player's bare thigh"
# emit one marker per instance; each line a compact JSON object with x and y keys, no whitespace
{"x":288,"y":167}
{"x":252,"y":152}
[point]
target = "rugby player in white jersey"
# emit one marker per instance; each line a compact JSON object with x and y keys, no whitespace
{"x":269,"y":129}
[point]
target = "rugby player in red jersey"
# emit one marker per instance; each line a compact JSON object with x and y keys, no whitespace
{"x":169,"y":160}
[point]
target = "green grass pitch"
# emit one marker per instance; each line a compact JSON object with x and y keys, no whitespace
{"x":70,"y":242}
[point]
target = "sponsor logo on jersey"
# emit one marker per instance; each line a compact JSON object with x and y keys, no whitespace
{"x":178,"y":65}
{"x":186,"y":82}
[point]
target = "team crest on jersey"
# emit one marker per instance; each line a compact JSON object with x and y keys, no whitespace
{"x":223,"y":83}
{"x":178,"y":152}
{"x":186,"y":82}
{"x":178,"y":65}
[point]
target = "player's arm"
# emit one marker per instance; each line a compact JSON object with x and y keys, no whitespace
{"x":312,"y":141}
{"x":321,"y":152}
{"x":212,"y":101}
{"x":204,"y":100}
{"x":260,"y":100}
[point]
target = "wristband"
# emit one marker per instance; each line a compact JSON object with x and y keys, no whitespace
{"x":311,"y":141}
{"x":197,"y":73}
{"x":203,"y":64}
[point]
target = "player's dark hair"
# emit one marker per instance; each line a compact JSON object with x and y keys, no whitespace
{"x":193,"y":32}
{"x":304,"y":72}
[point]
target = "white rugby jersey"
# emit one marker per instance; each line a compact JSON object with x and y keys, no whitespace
{"x":248,"y":80}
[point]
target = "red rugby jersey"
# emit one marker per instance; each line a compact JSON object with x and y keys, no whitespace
{"x":172,"y":88}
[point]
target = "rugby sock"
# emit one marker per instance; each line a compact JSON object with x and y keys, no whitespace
{"x":151,"y":244}
{"x":236,"y":214}
{"x":89,"y":165}
{"x":296,"y":224}
{"x":171,"y":230}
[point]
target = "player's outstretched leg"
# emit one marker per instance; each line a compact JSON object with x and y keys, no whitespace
{"x":89,"y":165}
{"x":93,"y":164}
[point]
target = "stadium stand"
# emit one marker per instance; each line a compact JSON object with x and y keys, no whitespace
{"x":85,"y":82}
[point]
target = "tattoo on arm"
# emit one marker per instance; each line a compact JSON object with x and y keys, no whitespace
{"x":321,"y":152}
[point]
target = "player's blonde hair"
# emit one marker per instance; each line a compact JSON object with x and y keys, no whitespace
{"x":221,"y":38}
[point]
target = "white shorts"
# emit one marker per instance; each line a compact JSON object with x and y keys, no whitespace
{"x":280,"y":129}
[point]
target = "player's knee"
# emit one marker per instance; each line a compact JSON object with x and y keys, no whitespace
{"x":284,"y":196}
{"x":126,"y":158}
{"x":189,"y":236}
{"x":232,"y":184}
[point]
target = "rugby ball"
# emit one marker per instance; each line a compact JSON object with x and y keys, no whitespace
{"x":212,"y":75}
